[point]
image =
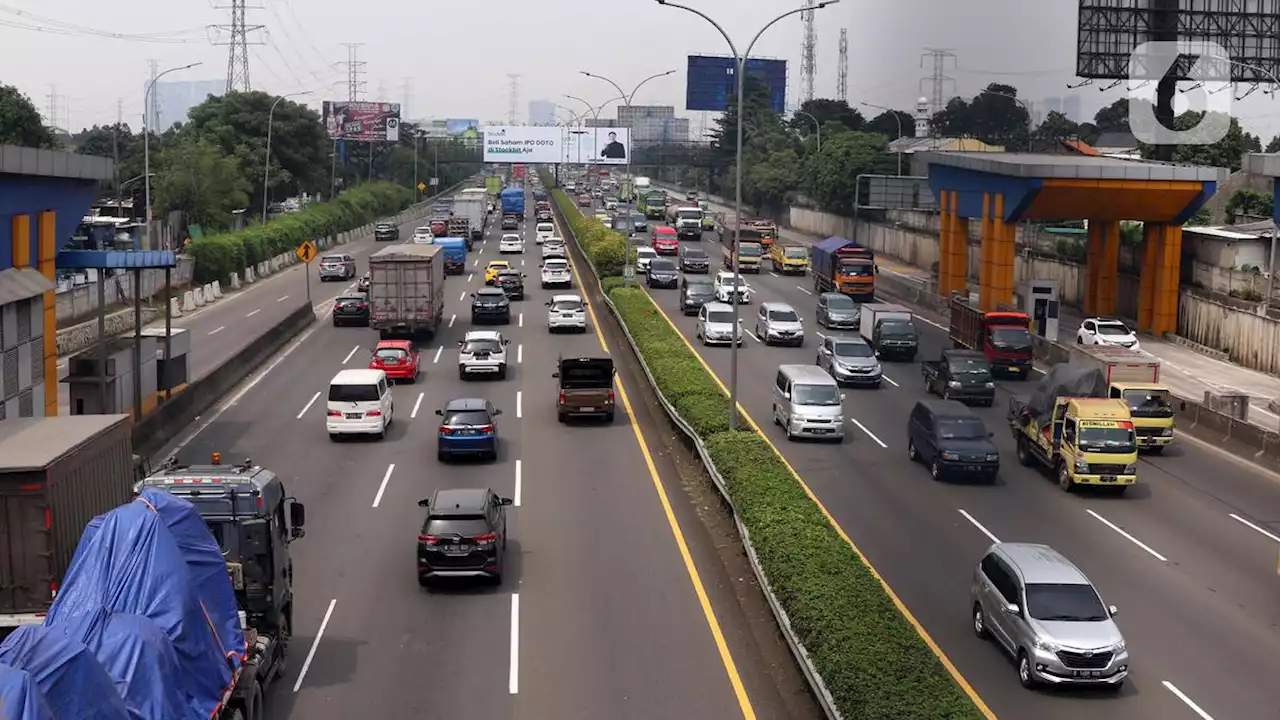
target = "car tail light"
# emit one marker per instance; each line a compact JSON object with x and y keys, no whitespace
{"x":446,"y":430}
{"x":485,"y":540}
{"x":373,"y":413}
{"x":485,"y":429}
{"x":362,"y":306}
{"x":333,"y":413}
{"x":561,"y":399}
{"x":428,"y":540}
{"x":610,"y":396}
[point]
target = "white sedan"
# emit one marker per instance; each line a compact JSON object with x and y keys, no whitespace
{"x":556,"y":273}
{"x":423,"y":236}
{"x":554,"y":250}
{"x":567,"y":312}
{"x":511,"y":243}
{"x":482,"y":352}
{"x":1106,"y":331}
{"x":724,"y":288}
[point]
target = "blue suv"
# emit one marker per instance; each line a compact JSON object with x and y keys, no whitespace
{"x":468,"y":426}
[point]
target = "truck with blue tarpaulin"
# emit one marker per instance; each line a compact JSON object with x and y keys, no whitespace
{"x":454,"y":250}
{"x":842,"y":265}
{"x":513,"y":202}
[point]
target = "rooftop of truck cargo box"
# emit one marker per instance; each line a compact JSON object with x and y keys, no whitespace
{"x":28,"y":444}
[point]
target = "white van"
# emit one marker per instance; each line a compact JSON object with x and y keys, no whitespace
{"x":359,"y":403}
{"x":544,"y":231}
{"x":807,"y":402}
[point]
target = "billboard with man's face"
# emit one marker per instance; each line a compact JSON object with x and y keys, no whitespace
{"x":597,"y":146}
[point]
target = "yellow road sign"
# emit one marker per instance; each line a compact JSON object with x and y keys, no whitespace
{"x":422,"y":187}
{"x":306,"y":251}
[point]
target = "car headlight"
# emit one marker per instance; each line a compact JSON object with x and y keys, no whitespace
{"x":1082,"y":466}
{"x":1131,"y":469}
{"x":1119,"y":647}
{"x":953,"y":384}
{"x":1167,"y":432}
{"x":993,"y":457}
{"x":950,"y":456}
{"x":990,"y":385}
{"x":1046,"y":645}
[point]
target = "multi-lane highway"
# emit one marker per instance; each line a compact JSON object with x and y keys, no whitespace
{"x":1189,"y":555}
{"x":614,"y":602}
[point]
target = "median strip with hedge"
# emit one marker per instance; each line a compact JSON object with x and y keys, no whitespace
{"x":217,"y":256}
{"x":872,"y":661}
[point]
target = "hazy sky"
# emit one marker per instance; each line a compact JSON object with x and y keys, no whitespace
{"x":456,"y":56}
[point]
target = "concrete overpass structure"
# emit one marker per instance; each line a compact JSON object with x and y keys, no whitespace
{"x":1002,"y":189}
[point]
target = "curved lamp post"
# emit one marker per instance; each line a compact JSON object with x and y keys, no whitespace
{"x":897,"y":117}
{"x":146,"y":138}
{"x":817,"y":126}
{"x":741,"y":70}
{"x":266,"y":170}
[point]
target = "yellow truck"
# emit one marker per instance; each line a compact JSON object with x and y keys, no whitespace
{"x":789,"y":259}
{"x":749,"y":254}
{"x":1070,"y":426}
{"x":1134,"y":377}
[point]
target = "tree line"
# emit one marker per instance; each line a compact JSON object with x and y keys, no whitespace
{"x":211,"y":164}
{"x":782,"y":159}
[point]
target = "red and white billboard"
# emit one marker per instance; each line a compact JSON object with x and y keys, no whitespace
{"x":362,"y":121}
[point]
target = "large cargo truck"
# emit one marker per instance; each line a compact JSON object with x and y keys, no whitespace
{"x":406,"y":290}
{"x":687,"y":221}
{"x":513,"y":202}
{"x":750,"y":254}
{"x":841,"y":265}
{"x":56,"y":474}
{"x":493,"y":185}
{"x":1003,"y":337}
{"x":653,"y":203}
{"x":1134,"y":377}
{"x":454,"y":252}
{"x":472,"y":207}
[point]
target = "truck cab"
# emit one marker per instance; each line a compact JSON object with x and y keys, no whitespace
{"x":963,"y":375}
{"x":1003,"y":337}
{"x":1085,"y":441}
{"x":749,"y":254}
{"x":1152,"y":407}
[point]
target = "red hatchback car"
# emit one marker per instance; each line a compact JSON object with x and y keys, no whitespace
{"x":665,"y":241}
{"x":397,"y":358}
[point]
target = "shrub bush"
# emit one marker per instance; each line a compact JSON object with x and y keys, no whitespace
{"x":217,"y":256}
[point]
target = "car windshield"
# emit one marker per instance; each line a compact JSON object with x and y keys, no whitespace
{"x":724,"y":317}
{"x":826,"y":395}
{"x":840,"y":302}
{"x":853,"y":350}
{"x":699,"y":289}
{"x":485,"y":345}
{"x":396,"y":354}
{"x":353,"y":393}
{"x":795,"y":252}
{"x":662,"y":266}
{"x":385,"y":226}
{"x":468,"y":527}
{"x":727,"y":281}
{"x":666,"y":236}
{"x":903,"y":330}
{"x":970,"y":366}
{"x":690,"y":215}
{"x":333,"y":259}
{"x":354,"y":298}
{"x":422,"y":231}
{"x":746,"y":250}
{"x":585,"y":376}
{"x":961,"y":429}
{"x":1011,"y":337}
{"x":491,"y":296}
{"x":1113,"y":329}
{"x":566,"y":305}
{"x":645,"y":252}
{"x":556,"y":266}
{"x":1055,"y":602}
{"x":466,"y":417}
{"x":1146,"y":403}
{"x":695,"y":253}
{"x":784,"y":316}
{"x":1116,"y":440}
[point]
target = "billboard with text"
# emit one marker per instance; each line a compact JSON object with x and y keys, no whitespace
{"x":523,"y":144}
{"x":712,"y":80}
{"x":597,"y":145}
{"x":362,"y":121}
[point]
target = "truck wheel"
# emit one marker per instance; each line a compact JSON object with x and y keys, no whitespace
{"x":1064,"y":478}
{"x":1024,"y":455}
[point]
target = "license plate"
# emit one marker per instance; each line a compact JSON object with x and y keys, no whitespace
{"x":1109,"y":478}
{"x":1086,"y":673}
{"x":588,"y":409}
{"x":822,"y":431}
{"x":973,"y":468}
{"x":354,"y":416}
{"x":1015,"y":370}
{"x":466,"y":432}
{"x":456,"y":549}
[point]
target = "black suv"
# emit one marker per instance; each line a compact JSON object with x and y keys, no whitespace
{"x":351,"y":309}
{"x":952,"y":441}
{"x":463,"y":536}
{"x":694,"y":294}
{"x":694,"y":260}
{"x":662,"y":273}
{"x":490,"y":304}
{"x":386,"y":231}
{"x":511,"y":282}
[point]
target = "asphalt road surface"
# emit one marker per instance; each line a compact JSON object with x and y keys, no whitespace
{"x":612,"y":604}
{"x":1189,"y":555}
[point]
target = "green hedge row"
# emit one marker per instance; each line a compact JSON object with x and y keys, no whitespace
{"x":874,"y":663}
{"x":217,"y":256}
{"x":606,"y":249}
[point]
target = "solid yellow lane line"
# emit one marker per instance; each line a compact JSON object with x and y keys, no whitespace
{"x":902,"y":608}
{"x":695,"y":578}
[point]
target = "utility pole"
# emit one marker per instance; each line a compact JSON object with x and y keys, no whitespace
{"x":51,"y":111}
{"x":842,"y":72}
{"x":115,"y":153}
{"x":808,"y":51}
{"x":150,"y":117}
{"x":513,"y":98}
{"x":938,"y":80}
{"x":238,"y":44}
{"x":355,"y":71}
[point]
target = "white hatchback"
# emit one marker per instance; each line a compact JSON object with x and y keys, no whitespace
{"x":423,"y":236}
{"x":567,"y":312}
{"x":482,"y":352}
{"x":511,"y":243}
{"x":556,"y":273}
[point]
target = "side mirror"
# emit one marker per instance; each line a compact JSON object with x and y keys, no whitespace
{"x":504,"y":501}
{"x":1012,"y":609}
{"x":297,"y":514}
{"x":1182,"y":406}
{"x":296,"y":533}
{"x":460,"y":342}
{"x":440,"y":413}
{"x":547,"y":303}
{"x":555,"y":374}
{"x":786,"y":396}
{"x":497,"y":411}
{"x":425,"y":502}
{"x":842,"y":396}
{"x":473,"y":295}
{"x":1113,"y":610}
{"x":506,"y":342}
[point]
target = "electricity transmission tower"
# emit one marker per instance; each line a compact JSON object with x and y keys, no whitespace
{"x":842,"y":72}
{"x":355,"y":71}
{"x":809,"y":51}
{"x":513,"y":98}
{"x":238,"y":45}
{"x":939,"y":79}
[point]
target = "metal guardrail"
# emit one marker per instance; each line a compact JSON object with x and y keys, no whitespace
{"x":812,"y":676}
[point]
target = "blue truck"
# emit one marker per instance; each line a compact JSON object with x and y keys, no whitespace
{"x":513,"y":202}
{"x":455,"y":254}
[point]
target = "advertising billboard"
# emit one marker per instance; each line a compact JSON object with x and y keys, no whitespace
{"x":362,"y":121}
{"x":523,"y":144}
{"x":459,"y":126}
{"x":712,"y":81}
{"x":597,"y":145}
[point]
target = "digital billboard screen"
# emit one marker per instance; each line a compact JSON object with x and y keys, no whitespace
{"x":362,"y":121}
{"x":712,"y":81}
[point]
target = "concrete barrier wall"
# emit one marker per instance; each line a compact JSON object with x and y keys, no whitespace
{"x":172,"y":418}
{"x":81,"y":301}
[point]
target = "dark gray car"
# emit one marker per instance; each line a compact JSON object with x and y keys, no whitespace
{"x":662,"y":273}
{"x":838,"y":312}
{"x":694,"y":293}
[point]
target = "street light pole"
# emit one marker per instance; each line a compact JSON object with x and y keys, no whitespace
{"x":897,"y":117}
{"x":741,"y":69}
{"x":266,"y":170}
{"x":817,"y":126}
{"x":146,"y":140}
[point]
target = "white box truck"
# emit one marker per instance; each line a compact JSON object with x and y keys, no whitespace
{"x":406,"y":290}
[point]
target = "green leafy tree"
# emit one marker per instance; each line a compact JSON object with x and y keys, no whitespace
{"x":1225,"y":153}
{"x":20,"y":121}
{"x":888,"y":125}
{"x":1114,"y":118}
{"x":831,"y":176}
{"x":1247,"y":201}
{"x":1274,"y":145}
{"x":826,"y":112}
{"x":994,"y":116}
{"x":196,"y":177}
{"x":758,"y":117}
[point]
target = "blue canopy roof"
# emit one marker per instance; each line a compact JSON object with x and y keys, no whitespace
{"x":833,"y":244}
{"x":115,"y":259}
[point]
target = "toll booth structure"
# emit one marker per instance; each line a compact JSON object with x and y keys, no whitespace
{"x":1003,"y":189}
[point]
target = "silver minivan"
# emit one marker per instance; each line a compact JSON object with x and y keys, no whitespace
{"x":807,"y":402}
{"x":1046,"y":614}
{"x":779,"y":323}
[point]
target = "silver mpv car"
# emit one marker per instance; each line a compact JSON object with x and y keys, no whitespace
{"x":1045,"y":613}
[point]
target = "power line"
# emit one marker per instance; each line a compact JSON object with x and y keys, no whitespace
{"x":939,"y":79}
{"x":238,"y":45}
{"x":355,"y":70}
{"x":58,"y":27}
{"x":842,"y":72}
{"x":808,"y":51}
{"x":513,"y":98}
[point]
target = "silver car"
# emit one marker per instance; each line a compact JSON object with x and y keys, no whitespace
{"x":337,"y":267}
{"x":1045,"y":613}
{"x":850,"y":362}
{"x":715,"y":325}
{"x":779,"y":324}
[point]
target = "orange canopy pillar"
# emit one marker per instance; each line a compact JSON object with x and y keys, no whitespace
{"x":1168,"y":265}
{"x":953,"y":247}
{"x":1103,"y":268}
{"x":999,"y":257}
{"x":1152,"y":234}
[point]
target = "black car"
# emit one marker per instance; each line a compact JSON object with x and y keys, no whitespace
{"x":511,"y":282}
{"x":694,"y":294}
{"x":386,"y":231}
{"x":952,"y":441}
{"x":463,"y":536}
{"x":351,"y":309}
{"x":490,"y":304}
{"x":662,"y":273}
{"x":694,"y":260}
{"x":838,"y":312}
{"x":510,"y":222}
{"x":639,"y":222}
